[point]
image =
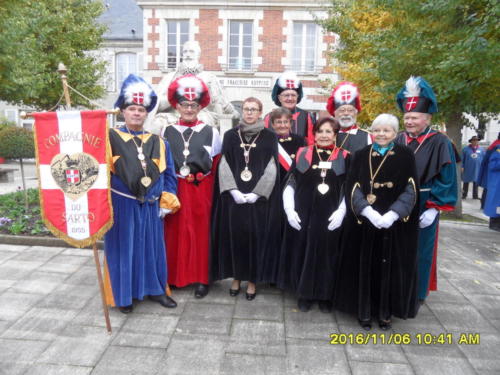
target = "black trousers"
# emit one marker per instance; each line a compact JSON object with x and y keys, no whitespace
{"x":465,"y":190}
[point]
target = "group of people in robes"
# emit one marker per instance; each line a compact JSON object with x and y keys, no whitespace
{"x":326,"y":210}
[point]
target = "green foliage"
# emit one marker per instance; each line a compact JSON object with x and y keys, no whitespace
{"x":17,"y":143}
{"x":454,"y":44}
{"x":36,"y":36}
{"x":5,"y":124}
{"x":15,"y":219}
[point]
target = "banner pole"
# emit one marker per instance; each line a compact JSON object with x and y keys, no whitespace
{"x":61,"y":69}
{"x":101,"y":287}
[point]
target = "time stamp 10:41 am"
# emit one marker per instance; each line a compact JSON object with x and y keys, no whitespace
{"x":405,"y":338}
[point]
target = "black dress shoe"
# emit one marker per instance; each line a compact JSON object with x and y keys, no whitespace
{"x":384,"y":324}
{"x":126,"y":309}
{"x":201,"y":290}
{"x":164,"y":300}
{"x":325,"y":306}
{"x":304,"y":305}
{"x":234,"y":292}
{"x":250,"y":296}
{"x":366,"y":324}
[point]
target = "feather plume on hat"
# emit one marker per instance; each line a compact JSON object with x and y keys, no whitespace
{"x":136,"y":91}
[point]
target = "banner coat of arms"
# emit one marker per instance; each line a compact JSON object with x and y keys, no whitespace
{"x":72,"y":150}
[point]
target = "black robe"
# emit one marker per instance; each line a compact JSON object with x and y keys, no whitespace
{"x":245,"y":237}
{"x":308,"y":256}
{"x":377,"y":274}
{"x":291,"y":145}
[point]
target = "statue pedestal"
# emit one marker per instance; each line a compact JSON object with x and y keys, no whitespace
{"x":225,"y":123}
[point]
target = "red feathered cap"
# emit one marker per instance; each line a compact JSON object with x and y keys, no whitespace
{"x":188,"y":87}
{"x":344,"y":93}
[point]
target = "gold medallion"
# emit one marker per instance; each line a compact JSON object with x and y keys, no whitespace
{"x":323,"y":188}
{"x":146,"y":181}
{"x":371,"y":198}
{"x":246,"y":175}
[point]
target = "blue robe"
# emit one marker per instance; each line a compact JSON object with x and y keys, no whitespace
{"x":436,"y":169}
{"x":489,"y":178}
{"x":134,"y":246}
{"x":471,"y":162}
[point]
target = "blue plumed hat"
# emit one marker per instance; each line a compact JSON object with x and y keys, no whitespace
{"x":287,"y":81}
{"x":136,"y":91}
{"x":417,"y":96}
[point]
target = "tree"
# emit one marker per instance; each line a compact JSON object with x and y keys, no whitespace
{"x":36,"y":36}
{"x":18,"y":143}
{"x":453,"y":44}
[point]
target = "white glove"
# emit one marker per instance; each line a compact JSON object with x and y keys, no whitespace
{"x":373,"y":216}
{"x":427,"y":218}
{"x":251,"y":197}
{"x":163,"y":212}
{"x":238,"y":196}
{"x":337,"y":217}
{"x":388,"y":219}
{"x":293,"y":219}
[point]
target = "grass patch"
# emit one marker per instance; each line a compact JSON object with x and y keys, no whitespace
{"x":466,"y":218}
{"x":16,"y":220}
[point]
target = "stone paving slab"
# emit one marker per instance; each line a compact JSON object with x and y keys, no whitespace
{"x":77,"y":346}
{"x":51,"y":322}
{"x":118,"y":360}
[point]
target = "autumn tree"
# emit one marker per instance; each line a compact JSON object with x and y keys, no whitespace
{"x":453,"y":44}
{"x":36,"y":36}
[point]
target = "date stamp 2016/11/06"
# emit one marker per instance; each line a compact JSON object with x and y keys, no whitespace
{"x":405,"y":338}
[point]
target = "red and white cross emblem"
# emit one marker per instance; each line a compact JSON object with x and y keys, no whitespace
{"x":411,"y":103}
{"x":190,"y":93}
{"x":138,"y":97}
{"x":72,"y":176}
{"x":290,"y":84}
{"x":345,"y":95}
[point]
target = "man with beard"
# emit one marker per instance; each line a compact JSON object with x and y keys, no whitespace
{"x":345,"y":104}
{"x":164,"y":114}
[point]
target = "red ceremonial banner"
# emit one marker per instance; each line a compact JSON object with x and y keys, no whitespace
{"x":72,"y":150}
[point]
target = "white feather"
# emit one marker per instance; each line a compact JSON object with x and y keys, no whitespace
{"x":189,"y":82}
{"x":135,"y":88}
{"x":412,"y":87}
{"x":342,"y":89}
{"x":288,"y":76}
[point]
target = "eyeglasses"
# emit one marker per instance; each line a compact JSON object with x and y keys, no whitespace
{"x":288,"y":96}
{"x":346,"y":110}
{"x":189,"y":105}
{"x":251,"y":110}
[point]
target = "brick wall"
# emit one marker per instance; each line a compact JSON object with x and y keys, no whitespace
{"x":328,"y":39}
{"x":208,"y":37}
{"x":153,"y":37}
{"x":272,"y":40}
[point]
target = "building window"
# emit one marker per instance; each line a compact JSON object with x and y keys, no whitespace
{"x":304,"y":46}
{"x":177,"y":35}
{"x":126,"y":63}
{"x":240,"y":45}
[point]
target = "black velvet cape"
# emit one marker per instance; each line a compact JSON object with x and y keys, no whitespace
{"x":308,"y":256}
{"x":377,"y":275}
{"x":245,"y":237}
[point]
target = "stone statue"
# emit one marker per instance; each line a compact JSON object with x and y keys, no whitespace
{"x":163,"y":114}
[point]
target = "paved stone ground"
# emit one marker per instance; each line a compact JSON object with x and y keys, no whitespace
{"x":51,"y":323}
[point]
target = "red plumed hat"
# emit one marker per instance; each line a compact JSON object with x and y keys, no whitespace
{"x":344,"y":93}
{"x":188,"y":88}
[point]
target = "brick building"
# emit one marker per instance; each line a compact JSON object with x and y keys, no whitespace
{"x":246,"y":44}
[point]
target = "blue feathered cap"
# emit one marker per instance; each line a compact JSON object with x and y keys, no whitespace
{"x":136,"y":91}
{"x":287,"y":81}
{"x":417,"y":96}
